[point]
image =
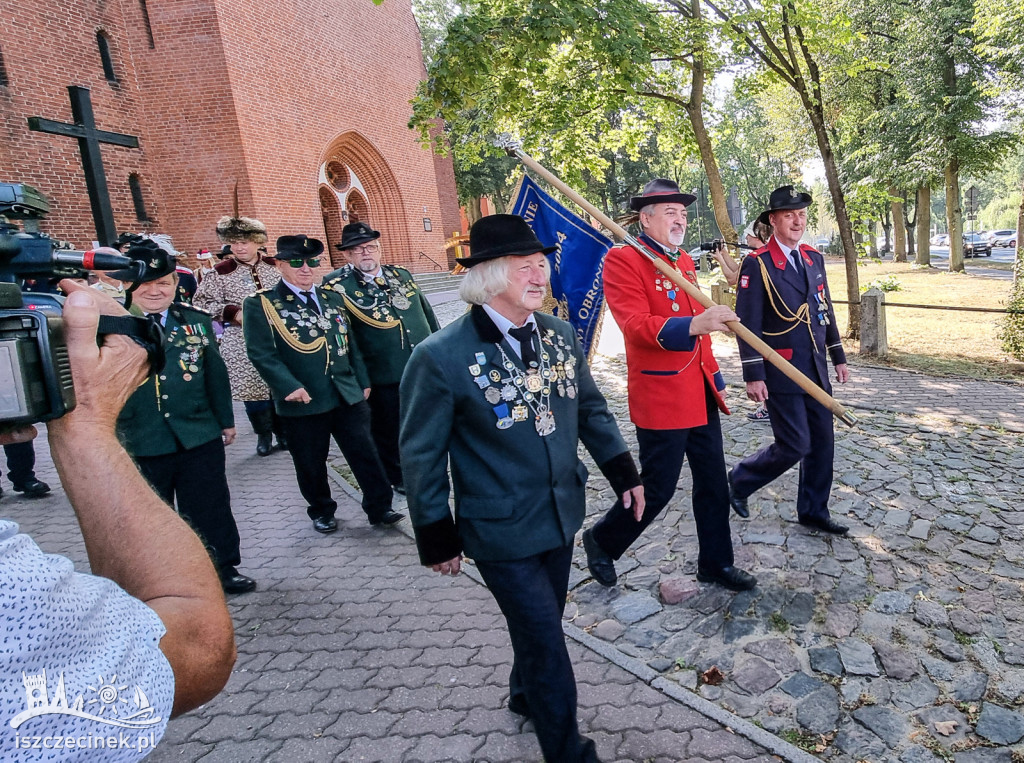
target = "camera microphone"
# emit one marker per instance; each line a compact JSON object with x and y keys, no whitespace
{"x":92,"y":260}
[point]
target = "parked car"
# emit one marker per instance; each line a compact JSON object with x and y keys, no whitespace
{"x":975,"y":246}
{"x":1004,"y":238}
{"x":942,"y":239}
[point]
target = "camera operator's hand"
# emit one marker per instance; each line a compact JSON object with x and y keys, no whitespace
{"x":131,"y":536}
{"x":105,"y":377}
{"x":23,"y":433}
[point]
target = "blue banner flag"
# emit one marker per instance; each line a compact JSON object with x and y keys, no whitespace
{"x":576,"y":266}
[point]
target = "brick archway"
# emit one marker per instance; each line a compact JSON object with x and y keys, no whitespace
{"x":356,"y":206}
{"x":330,"y":209}
{"x":383,"y":207}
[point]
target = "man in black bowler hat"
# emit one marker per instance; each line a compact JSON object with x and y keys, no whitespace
{"x":675,"y":392}
{"x":390,"y":316}
{"x":176,"y":425}
{"x":505,"y":393}
{"x":297,"y":336}
{"x":783,"y":297}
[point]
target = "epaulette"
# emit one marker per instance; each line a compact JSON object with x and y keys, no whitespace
{"x":396,"y":269}
{"x":193,"y":308}
{"x":226,"y":266}
{"x":335,"y":284}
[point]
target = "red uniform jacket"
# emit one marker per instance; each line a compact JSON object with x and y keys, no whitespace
{"x":667,"y":368}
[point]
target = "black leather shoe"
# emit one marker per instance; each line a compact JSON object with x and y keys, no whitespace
{"x":264,"y":444}
{"x":601,"y":566}
{"x":325,"y":525}
{"x":282,"y":444}
{"x":739,"y":505}
{"x":827,"y":525}
{"x":389,"y":517}
{"x":33,"y":488}
{"x":399,"y":488}
{"x":234,"y":582}
{"x":732,"y":578}
{"x":518,"y":706}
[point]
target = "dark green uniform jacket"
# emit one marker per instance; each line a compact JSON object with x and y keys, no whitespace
{"x":292,"y":347}
{"x":516,"y":493}
{"x":189,"y":402}
{"x":386,"y":332}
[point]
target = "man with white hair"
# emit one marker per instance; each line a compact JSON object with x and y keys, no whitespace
{"x":675,"y":392}
{"x":505,"y":393}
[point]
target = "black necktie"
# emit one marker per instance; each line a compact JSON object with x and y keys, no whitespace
{"x":310,"y":302}
{"x":158,"y":317}
{"x":525,"y":337}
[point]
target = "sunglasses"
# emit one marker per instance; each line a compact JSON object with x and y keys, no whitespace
{"x":314,"y":262}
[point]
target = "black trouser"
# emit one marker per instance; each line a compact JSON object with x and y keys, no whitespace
{"x":196,"y":477}
{"x":661,"y":459}
{"x":309,"y":440}
{"x":21,"y":462}
{"x":384,"y":427}
{"x":531,"y":595}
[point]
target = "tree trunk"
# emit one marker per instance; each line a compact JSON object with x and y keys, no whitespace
{"x":908,"y":226}
{"x":473,"y":210}
{"x":954,"y":217}
{"x":707,"y":155}
{"x":899,"y":246}
{"x":924,"y":226}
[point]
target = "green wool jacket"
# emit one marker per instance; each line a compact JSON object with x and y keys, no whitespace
{"x":189,"y":401}
{"x":291,"y":347}
{"x":517,"y":493}
{"x":386,"y":333}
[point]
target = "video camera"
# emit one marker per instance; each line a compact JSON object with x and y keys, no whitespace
{"x":35,"y":373}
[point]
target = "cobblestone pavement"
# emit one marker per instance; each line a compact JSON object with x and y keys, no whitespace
{"x":867,"y":648}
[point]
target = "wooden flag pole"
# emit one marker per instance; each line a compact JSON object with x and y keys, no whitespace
{"x":736,"y":327}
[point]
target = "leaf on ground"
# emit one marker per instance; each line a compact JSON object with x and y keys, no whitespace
{"x":712,"y":676}
{"x":945,"y":727}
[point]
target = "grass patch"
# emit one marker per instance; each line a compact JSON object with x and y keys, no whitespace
{"x":804,"y":740}
{"x":936,"y":341}
{"x":777,"y":622}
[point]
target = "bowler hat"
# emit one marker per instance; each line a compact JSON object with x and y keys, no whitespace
{"x":354,"y":234}
{"x":786,"y":197}
{"x":497,"y":236}
{"x":298,"y":247}
{"x":158,"y":262}
{"x":661,"y":191}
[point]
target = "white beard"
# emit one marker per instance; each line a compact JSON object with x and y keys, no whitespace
{"x":676,"y":239}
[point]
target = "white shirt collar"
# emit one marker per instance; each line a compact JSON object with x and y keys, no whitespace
{"x":504,"y":324}
{"x":298,"y":292}
{"x":369,"y":276}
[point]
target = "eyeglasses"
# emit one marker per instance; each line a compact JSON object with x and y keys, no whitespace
{"x":314,"y":262}
{"x":366,"y":248}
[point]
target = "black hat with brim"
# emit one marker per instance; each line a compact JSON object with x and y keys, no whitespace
{"x":497,"y":236}
{"x":785,"y":198}
{"x":157,"y":262}
{"x":354,"y":234}
{"x":298,"y":247}
{"x":661,"y":191}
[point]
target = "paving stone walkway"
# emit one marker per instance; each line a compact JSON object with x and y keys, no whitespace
{"x":904,"y":642}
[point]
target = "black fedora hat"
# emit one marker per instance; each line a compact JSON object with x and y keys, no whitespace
{"x":661,"y":191}
{"x":157,"y":262}
{"x":298,"y":247}
{"x":354,"y":234}
{"x":786,"y":197}
{"x":497,"y":236}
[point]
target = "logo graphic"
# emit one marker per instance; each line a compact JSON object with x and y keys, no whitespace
{"x":108,"y":706}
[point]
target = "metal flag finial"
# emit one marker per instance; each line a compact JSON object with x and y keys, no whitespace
{"x":508,"y":142}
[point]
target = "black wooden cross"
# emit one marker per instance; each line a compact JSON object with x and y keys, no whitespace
{"x":89,"y":139}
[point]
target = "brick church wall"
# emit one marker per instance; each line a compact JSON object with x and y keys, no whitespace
{"x":233,"y":94}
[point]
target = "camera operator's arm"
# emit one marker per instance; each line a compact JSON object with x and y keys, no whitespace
{"x":730,"y":268}
{"x":131,"y":536}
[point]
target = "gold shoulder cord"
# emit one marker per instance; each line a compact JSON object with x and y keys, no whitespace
{"x":802,"y":315}
{"x":278,"y":324}
{"x":359,"y":315}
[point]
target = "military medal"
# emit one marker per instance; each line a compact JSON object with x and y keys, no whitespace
{"x":504,"y":420}
{"x":570,"y":390}
{"x":675,"y":307}
{"x":474,"y":369}
{"x":545,"y":421}
{"x":481,"y":358}
{"x":482,"y":382}
{"x":186,"y":377}
{"x":520,"y":412}
{"x":508,"y":392}
{"x":495,"y":375}
{"x":533,"y":382}
{"x":400,"y":301}
{"x":492,"y":395}
{"x":193,"y":369}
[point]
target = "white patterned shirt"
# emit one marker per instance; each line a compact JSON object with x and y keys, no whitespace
{"x":82,"y":677}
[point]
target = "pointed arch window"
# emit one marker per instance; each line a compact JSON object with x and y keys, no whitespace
{"x":103,"y":43}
